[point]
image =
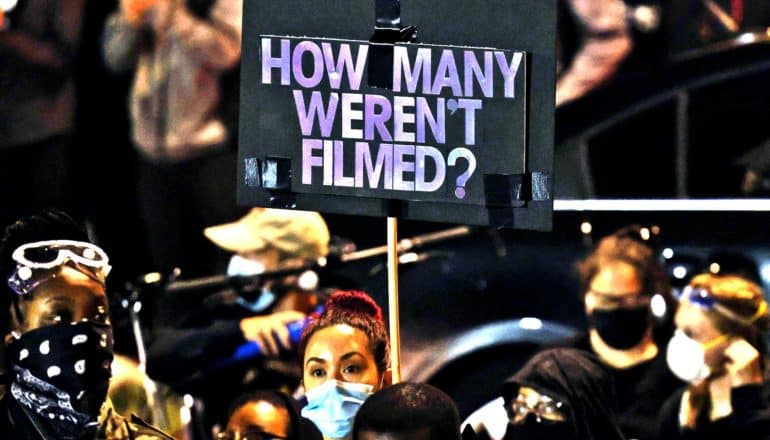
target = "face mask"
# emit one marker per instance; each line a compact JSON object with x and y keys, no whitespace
{"x":263,"y":302}
{"x":621,"y":328}
{"x":61,"y":374}
{"x":686,"y":357}
{"x":531,"y":429}
{"x":240,"y":266}
{"x":333,"y":405}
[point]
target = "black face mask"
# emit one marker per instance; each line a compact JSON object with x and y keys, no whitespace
{"x":531,"y":429}
{"x":61,"y":374}
{"x":621,"y":328}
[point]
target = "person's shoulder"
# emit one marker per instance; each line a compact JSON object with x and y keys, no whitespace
{"x":579,"y":342}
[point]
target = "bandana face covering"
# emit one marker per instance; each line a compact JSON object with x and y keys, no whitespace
{"x":61,"y":374}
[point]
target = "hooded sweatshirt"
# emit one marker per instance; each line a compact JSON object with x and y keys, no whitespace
{"x":578,"y":379}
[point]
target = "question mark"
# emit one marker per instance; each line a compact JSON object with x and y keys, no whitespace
{"x":462,"y":178}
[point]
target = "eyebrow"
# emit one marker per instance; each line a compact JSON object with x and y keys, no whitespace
{"x":347,"y":356}
{"x":344,"y":357}
{"x":315,"y":359}
{"x":61,"y":298}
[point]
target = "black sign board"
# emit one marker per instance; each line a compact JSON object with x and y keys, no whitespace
{"x":439,"y":111}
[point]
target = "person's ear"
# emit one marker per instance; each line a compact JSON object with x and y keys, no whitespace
{"x":387,"y":378}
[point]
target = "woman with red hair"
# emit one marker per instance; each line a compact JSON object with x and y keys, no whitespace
{"x":344,"y":354}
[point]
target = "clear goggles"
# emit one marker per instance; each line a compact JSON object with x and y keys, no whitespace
{"x":37,"y":262}
{"x":544,"y":408}
{"x":704,"y":299}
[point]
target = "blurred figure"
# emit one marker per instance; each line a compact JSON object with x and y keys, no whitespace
{"x":719,"y":348}
{"x":59,"y":342}
{"x":132,"y":392}
{"x":179,"y":49}
{"x":267,"y":415}
{"x":344,"y":355}
{"x":38,"y":44}
{"x":561,"y":394}
{"x":603,"y":42}
{"x":693,"y":24}
{"x":198,"y":332}
{"x":408,"y":411}
{"x":620,"y":278}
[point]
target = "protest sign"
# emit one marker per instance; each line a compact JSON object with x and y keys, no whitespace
{"x":447,"y":119}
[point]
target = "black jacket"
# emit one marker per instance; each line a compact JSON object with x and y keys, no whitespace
{"x":750,"y":419}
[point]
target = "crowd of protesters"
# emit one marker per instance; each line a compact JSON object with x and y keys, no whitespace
{"x":273,"y":351}
{"x":696,"y":372}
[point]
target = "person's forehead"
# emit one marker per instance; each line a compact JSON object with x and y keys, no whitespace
{"x":71,"y":283}
{"x":691,"y":317}
{"x":261,"y":414}
{"x":420,"y":434}
{"x":338,"y":340}
{"x":616,"y":279}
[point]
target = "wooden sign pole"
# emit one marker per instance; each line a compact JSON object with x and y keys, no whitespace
{"x":395,"y":334}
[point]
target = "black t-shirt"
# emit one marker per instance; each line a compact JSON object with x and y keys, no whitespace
{"x":641,"y":390}
{"x":750,"y":419}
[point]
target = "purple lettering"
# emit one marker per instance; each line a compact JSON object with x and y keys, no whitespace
{"x":315,"y":112}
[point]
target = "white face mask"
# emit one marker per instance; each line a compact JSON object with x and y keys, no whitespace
{"x":686,"y":357}
{"x":240,"y":266}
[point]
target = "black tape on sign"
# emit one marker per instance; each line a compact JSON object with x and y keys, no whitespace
{"x":542,"y":186}
{"x":273,"y":173}
{"x":506,"y":190}
{"x":387,"y":31}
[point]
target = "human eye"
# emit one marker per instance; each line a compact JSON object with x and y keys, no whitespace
{"x":352,"y":369}
{"x":58,"y":314}
{"x":317,"y":372}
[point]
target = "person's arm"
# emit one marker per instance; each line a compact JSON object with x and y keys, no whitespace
{"x":176,"y":354}
{"x":606,"y":41}
{"x":121,"y":42}
{"x":216,"y":41}
{"x":55,"y":52}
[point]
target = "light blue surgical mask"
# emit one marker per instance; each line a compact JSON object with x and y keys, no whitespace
{"x":263,"y":302}
{"x":333,"y":405}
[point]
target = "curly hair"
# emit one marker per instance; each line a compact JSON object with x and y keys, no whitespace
{"x":621,"y":247}
{"x":358,"y":310}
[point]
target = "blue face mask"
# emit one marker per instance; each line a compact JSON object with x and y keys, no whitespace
{"x":263,"y":302}
{"x":333,"y":405}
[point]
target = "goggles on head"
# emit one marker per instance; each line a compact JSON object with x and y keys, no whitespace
{"x":704,"y":299}
{"x":543,"y":408}
{"x":36,"y":262}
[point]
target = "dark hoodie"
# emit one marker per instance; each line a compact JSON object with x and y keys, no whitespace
{"x":578,"y":379}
